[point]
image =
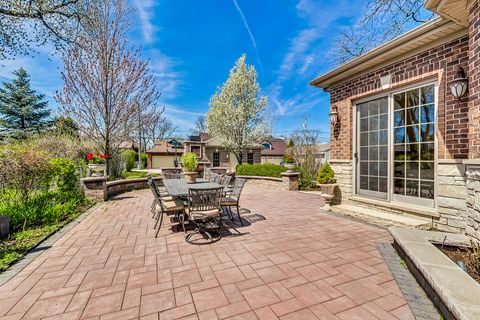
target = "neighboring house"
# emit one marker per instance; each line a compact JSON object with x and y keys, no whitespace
{"x":211,"y":154}
{"x":273,"y":150}
{"x":322,"y":152}
{"x":401,"y":139}
{"x":128,"y":145}
{"x":163,"y":154}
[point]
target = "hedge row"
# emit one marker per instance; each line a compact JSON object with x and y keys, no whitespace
{"x":262,"y":170}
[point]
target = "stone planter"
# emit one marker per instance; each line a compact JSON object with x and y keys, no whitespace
{"x":97,"y":170}
{"x":289,"y":166}
{"x":328,"y":193}
{"x":4,"y":227}
{"x":191,"y":177}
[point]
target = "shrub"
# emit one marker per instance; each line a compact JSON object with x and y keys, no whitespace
{"x":144,"y":159}
{"x":24,"y":169}
{"x":65,"y":175}
{"x":41,"y":209}
{"x":325,"y":175}
{"x":130,"y":158}
{"x":189,"y":161}
{"x":262,"y":170}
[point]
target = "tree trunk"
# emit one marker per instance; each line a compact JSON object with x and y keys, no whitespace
{"x":239,"y":157}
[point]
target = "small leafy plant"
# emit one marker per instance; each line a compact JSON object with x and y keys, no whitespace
{"x":326,"y":175}
{"x":189,"y":161}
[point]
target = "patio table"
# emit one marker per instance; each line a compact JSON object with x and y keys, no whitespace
{"x":179,"y":187}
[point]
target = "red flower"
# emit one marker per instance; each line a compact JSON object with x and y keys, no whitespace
{"x":102,"y":156}
{"x":89,"y":156}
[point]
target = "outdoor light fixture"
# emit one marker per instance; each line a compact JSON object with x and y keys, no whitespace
{"x":459,"y":86}
{"x":334,"y":115}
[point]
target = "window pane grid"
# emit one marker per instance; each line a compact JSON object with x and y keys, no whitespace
{"x":373,"y":145}
{"x":414,"y":129}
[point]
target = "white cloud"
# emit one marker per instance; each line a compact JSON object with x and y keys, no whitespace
{"x":162,"y":66}
{"x":182,"y":117}
{"x":145,"y":9}
{"x":252,"y":38}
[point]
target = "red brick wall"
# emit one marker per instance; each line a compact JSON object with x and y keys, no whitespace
{"x":474,"y":81}
{"x":439,"y":63}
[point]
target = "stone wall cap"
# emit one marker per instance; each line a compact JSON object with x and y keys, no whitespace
{"x":458,"y":292}
{"x":340,"y":160}
{"x":450,"y":161}
{"x":290,"y":174}
{"x":471,"y":161}
{"x":92,"y":179}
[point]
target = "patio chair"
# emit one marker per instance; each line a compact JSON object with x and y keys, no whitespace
{"x":226,"y":181}
{"x":204,"y":212}
{"x":166,"y":207}
{"x":212,"y":176}
{"x":233,"y":199}
{"x":217,"y":178}
{"x":162,"y":193}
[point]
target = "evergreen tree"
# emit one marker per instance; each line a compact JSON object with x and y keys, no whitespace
{"x":22,"y":110}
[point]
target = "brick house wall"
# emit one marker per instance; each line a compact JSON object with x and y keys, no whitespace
{"x":440,"y":63}
{"x":474,"y":81}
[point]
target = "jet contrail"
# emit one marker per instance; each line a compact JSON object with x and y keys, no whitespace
{"x":249,"y":32}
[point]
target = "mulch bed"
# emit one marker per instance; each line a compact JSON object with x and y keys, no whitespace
{"x":465,"y":255}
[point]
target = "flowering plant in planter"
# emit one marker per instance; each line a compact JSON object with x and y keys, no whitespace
{"x":288,"y":158}
{"x":97,"y":158}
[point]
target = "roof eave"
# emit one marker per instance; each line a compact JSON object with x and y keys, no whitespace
{"x":323,"y":81}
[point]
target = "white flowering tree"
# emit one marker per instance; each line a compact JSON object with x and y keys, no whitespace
{"x":236,"y":115}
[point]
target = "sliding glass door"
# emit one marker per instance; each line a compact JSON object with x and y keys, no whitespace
{"x":373,"y":148}
{"x":395,"y":152}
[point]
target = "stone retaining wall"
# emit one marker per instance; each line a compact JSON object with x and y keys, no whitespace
{"x":267,"y":183}
{"x":473,"y":200}
{"x":451,"y":196}
{"x":344,"y":174}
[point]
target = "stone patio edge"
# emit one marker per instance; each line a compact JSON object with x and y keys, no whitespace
{"x":34,"y":252}
{"x":455,"y":289}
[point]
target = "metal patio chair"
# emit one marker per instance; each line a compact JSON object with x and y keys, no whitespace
{"x":165,"y":207}
{"x":157,"y":188}
{"x":233,"y":199}
{"x":204,"y":211}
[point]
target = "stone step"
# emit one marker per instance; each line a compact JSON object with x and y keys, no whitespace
{"x":382,"y":218}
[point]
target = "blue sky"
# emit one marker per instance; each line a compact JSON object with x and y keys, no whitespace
{"x":192,"y":45}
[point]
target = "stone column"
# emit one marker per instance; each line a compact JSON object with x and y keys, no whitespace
{"x":290,"y":180}
{"x":95,"y":188}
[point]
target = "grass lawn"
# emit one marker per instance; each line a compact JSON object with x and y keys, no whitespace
{"x":136,"y":175}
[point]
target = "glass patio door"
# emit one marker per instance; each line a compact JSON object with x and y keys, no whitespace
{"x":372,"y":148}
{"x":395,"y":153}
{"x":414,"y":146}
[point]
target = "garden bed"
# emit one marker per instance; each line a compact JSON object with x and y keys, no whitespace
{"x":466,"y":255}
{"x":20,"y":243}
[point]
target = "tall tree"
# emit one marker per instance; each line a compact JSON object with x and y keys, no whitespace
{"x":158,"y":127}
{"x":236,"y":114}
{"x":37,"y":22}
{"x":22,"y":110}
{"x":381,"y":21}
{"x":200,"y":125}
{"x":107,"y":86}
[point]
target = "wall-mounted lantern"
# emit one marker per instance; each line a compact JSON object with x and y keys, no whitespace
{"x":459,"y":86}
{"x":334,"y":118}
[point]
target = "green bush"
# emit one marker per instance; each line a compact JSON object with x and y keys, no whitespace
{"x":144,"y":159}
{"x":65,"y":175}
{"x":189,"y":161}
{"x":262,"y":170}
{"x":326,"y":175}
{"x":41,"y":209}
{"x":130,"y":158}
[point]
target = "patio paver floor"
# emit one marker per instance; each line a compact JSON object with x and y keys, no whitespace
{"x":299,"y":263}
